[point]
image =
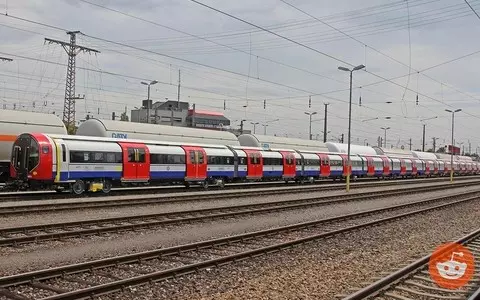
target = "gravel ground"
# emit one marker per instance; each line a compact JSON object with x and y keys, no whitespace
{"x":96,"y":213}
{"x":323,"y":269}
{"x":56,"y":253}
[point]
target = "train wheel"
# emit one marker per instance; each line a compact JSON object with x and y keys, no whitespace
{"x":221,"y":183}
{"x":107,"y":186}
{"x":186,"y":184}
{"x":78,"y":187}
{"x":205,"y":184}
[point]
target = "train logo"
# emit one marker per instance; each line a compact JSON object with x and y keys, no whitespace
{"x":451,"y":266}
{"x":119,"y":135}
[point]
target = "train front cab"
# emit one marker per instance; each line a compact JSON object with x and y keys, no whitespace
{"x":32,"y":161}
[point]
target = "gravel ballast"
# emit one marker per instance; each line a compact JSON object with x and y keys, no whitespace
{"x":56,"y":253}
{"x":322,"y":269}
{"x":100,"y":213}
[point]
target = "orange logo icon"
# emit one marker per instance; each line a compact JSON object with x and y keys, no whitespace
{"x":451,"y":266}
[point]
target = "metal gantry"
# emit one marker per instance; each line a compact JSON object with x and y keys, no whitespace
{"x":72,"y":50}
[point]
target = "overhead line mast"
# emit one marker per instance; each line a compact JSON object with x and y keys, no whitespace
{"x":72,"y":50}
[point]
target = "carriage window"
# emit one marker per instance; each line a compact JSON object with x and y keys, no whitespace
{"x":98,"y":157}
{"x":131,"y":155}
{"x":141,"y":155}
{"x":241,"y":161}
{"x":192,"y":157}
{"x":111,"y":157}
{"x":64,"y":153}
{"x":200,"y":157}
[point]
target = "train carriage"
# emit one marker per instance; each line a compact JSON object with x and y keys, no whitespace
{"x":308,"y":166}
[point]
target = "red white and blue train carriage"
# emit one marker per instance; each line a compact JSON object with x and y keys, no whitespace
{"x":80,"y":163}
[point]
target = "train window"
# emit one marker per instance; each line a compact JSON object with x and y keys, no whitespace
{"x":192,"y":157}
{"x":200,"y":157}
{"x":111,"y":157}
{"x":141,"y":155}
{"x":131,"y":154}
{"x":242,"y":161}
{"x":45,"y":149}
{"x":98,"y":157}
{"x":64,"y":153}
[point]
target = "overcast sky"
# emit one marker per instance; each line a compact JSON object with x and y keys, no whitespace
{"x":221,"y":58}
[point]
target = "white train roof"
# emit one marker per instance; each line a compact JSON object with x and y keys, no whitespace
{"x":354,"y":149}
{"x":275,"y":142}
{"x":143,"y":131}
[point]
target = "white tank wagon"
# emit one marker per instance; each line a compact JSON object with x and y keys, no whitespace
{"x":154,"y":132}
{"x":268,"y":142}
{"x":394,"y":152}
{"x":14,"y":123}
{"x":354,"y":149}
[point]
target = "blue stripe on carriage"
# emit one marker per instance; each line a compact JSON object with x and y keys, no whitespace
{"x":272,"y":173}
{"x":378,"y":173}
{"x":336,"y":173}
{"x":358,"y":172}
{"x":92,"y":174}
{"x":228,"y":174}
{"x":167,"y":175}
{"x":310,"y":173}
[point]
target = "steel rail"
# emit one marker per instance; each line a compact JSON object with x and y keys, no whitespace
{"x":390,"y":281}
{"x":138,"y":258}
{"x":51,"y":195}
{"x":155,"y":199}
{"x":43,"y":232}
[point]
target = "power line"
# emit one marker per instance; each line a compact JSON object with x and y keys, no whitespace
{"x":472,"y":9}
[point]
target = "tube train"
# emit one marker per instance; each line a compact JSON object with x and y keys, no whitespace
{"x":80,"y":163}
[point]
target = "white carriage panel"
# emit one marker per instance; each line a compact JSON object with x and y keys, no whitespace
{"x":73,"y":145}
{"x":218,"y":152}
{"x":168,"y":167}
{"x":271,"y":154}
{"x":154,"y":149}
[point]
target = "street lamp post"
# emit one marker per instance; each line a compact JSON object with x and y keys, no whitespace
{"x":385,"y":136}
{"x":266,"y":124}
{"x":148,"y":97}
{"x":359,"y":67}
{"x":310,"y":114}
{"x":451,"y":151}
{"x":254,"y":126}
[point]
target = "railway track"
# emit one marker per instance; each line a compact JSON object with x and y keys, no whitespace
{"x":49,"y":195}
{"x":94,"y":278}
{"x":8,"y":210}
{"x":15,"y":236}
{"x":414,"y":282}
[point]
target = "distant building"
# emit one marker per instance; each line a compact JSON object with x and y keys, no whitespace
{"x":179,"y":114}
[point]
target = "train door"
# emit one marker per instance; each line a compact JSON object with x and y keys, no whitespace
{"x":435,"y":167}
{"x":254,"y":164}
{"x":196,"y":163}
{"x":289,"y":164}
{"x":136,"y":162}
{"x":324,"y":165}
{"x":414,"y":168}
{"x":370,"y":167}
{"x":386,"y":166}
{"x":427,"y":167}
{"x":346,"y":168}
{"x":61,"y":159}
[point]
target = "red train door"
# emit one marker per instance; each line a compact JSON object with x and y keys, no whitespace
{"x":414,"y":168}
{"x":370,"y":167}
{"x":196,"y":163}
{"x":427,"y":167}
{"x":254,"y":164}
{"x":324,"y":165}
{"x":289,"y":164}
{"x":386,"y":166}
{"x":346,"y":169}
{"x":136,"y":162}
